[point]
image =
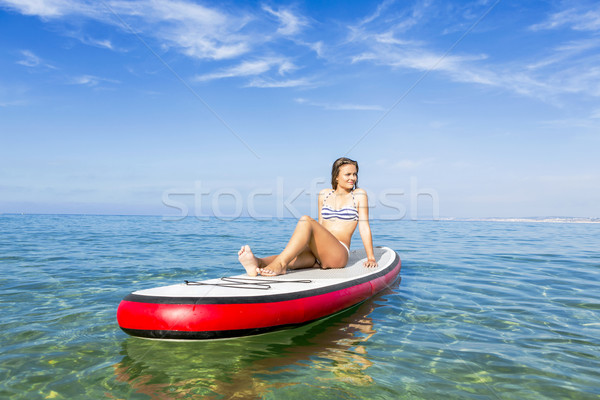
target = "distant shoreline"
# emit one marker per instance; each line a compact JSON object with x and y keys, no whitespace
{"x":570,"y":220}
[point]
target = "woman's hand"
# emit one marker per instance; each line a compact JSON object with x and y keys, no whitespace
{"x":370,"y":263}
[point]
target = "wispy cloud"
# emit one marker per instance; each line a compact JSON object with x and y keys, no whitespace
{"x":48,"y":8}
{"x":196,"y":30}
{"x":415,"y":57}
{"x":246,"y":68}
{"x":572,"y":18}
{"x":283,"y":83}
{"x":379,"y":39}
{"x":317,"y":47}
{"x":565,"y":51}
{"x":29,"y":59}
{"x":102,"y":43}
{"x":250,"y":68}
{"x":204,"y":32}
{"x":251,"y":39}
{"x":290,"y":23}
{"x":340,"y":106}
{"x":90,"y":80}
{"x":569,"y":68}
{"x":377,"y":13}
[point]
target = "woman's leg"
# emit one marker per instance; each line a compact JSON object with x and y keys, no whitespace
{"x":322,"y":244}
{"x":305,"y":259}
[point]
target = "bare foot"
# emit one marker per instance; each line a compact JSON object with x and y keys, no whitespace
{"x":273,"y":269}
{"x":248,"y":260}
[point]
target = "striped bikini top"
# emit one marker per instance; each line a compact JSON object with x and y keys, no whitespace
{"x":346,"y":213}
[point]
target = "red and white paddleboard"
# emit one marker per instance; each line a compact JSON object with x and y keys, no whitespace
{"x":241,"y":306}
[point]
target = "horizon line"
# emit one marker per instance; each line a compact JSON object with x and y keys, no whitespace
{"x":547,"y":219}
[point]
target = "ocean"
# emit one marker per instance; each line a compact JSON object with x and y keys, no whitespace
{"x":483,"y":310}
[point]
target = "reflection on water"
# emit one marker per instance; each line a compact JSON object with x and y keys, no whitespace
{"x":254,"y":366}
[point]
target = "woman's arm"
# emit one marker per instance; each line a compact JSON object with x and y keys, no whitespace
{"x":322,"y":195}
{"x":363,"y":226}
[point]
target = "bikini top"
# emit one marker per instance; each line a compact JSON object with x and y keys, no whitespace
{"x":346,"y":213}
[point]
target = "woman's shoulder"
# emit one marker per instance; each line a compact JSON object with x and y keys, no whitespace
{"x":325,"y":192}
{"x":360,"y":195}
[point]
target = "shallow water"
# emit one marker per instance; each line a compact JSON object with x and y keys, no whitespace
{"x":507,"y":310}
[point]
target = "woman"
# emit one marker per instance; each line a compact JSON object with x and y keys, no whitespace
{"x":326,"y":243}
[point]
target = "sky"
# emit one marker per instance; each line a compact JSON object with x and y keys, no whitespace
{"x":452,"y":108}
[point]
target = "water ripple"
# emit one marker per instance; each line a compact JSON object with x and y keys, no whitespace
{"x":484,"y":310}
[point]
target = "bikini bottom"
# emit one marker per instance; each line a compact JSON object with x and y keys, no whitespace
{"x":346,"y":247}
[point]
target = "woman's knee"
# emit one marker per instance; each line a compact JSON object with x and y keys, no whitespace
{"x":306,"y":220}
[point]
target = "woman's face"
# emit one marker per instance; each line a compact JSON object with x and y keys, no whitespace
{"x":347,"y":176}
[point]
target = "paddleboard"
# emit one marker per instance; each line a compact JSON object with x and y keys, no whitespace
{"x":240,"y":305}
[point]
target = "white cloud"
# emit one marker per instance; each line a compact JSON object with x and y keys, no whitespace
{"x":388,"y":38}
{"x":29,"y":59}
{"x":250,"y":68}
{"x":565,"y":51}
{"x":570,"y":67}
{"x":317,"y":47}
{"x":102,"y":43}
{"x":377,"y":13}
{"x":573,"y":18}
{"x":396,"y":21}
{"x":196,"y":30}
{"x":412,"y":56}
{"x":286,"y":83}
{"x":286,"y":67}
{"x":207,"y":32}
{"x":90,"y":80}
{"x":381,"y":43}
{"x":46,"y":8}
{"x":290,"y":24}
{"x":382,"y":38}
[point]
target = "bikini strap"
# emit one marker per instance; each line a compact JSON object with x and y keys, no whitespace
{"x":351,"y":192}
{"x":328,"y":194}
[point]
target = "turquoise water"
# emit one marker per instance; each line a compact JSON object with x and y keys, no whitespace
{"x":500,"y":310}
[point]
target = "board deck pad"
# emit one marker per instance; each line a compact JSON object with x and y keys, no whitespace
{"x":241,"y":305}
{"x":292,"y":281}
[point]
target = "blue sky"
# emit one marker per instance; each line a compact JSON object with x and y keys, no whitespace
{"x":462,"y":108}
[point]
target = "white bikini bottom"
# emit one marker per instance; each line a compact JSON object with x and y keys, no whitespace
{"x":346,"y":247}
